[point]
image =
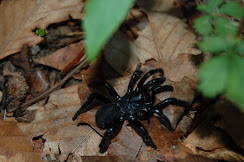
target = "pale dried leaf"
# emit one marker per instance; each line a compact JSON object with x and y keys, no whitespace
{"x":17,"y":26}
{"x":62,"y":57}
{"x":162,"y":39}
{"x":54,"y":122}
{"x":184,"y":65}
{"x":15,"y":144}
{"x":171,"y":36}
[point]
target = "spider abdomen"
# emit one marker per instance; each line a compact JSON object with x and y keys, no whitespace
{"x":107,"y":115}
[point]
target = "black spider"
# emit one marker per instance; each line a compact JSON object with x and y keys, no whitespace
{"x":135,"y":105}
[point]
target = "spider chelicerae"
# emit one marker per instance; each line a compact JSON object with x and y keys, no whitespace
{"x":135,"y":106}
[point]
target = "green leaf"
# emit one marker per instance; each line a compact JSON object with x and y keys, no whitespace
{"x":40,"y":32}
{"x":213,"y":44}
{"x":235,"y":90}
{"x":240,"y":48}
{"x":233,"y":9}
{"x":225,"y":28}
{"x":203,"y":25}
{"x":102,"y":18}
{"x":214,"y":76}
{"x":210,"y":6}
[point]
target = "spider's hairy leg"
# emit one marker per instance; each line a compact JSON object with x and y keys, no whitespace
{"x":172,"y":101}
{"x":153,"y":81}
{"x":146,"y":76}
{"x":158,"y":89}
{"x":108,"y":86}
{"x":142,"y":131}
{"x":163,"y":119}
{"x":110,"y":134}
{"x":89,"y":101}
{"x":134,"y":78}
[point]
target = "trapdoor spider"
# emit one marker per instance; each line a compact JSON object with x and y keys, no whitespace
{"x":136,"y":105}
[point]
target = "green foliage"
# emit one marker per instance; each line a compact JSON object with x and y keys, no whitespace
{"x":213,"y":44}
{"x":40,"y":32}
{"x":223,"y":73}
{"x":233,"y":9}
{"x":102,"y":18}
{"x":214,"y":76}
{"x":225,"y":28}
{"x":203,"y":25}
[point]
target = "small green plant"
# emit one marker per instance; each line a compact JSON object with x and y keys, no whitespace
{"x":41,"y":32}
{"x":224,"y":72}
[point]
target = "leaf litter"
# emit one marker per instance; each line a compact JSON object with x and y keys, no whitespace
{"x":52,"y":135}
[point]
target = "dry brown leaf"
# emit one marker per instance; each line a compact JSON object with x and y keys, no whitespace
{"x":39,"y":81}
{"x":164,"y":38}
{"x":220,"y":135}
{"x":53,"y":122}
{"x":62,"y":57}
{"x":22,"y":61}
{"x":15,"y":144}
{"x":167,"y":31}
{"x":23,"y":16}
{"x":184,"y":65}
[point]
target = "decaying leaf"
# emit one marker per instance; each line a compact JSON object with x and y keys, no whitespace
{"x":62,"y":57}
{"x":162,"y":39}
{"x":53,"y":122}
{"x":16,"y":145}
{"x":187,"y":66}
{"x":17,"y":26}
{"x":215,"y":138}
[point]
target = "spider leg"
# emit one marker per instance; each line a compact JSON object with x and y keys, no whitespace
{"x":172,"y":101}
{"x":89,"y":101}
{"x":108,"y":86}
{"x":163,"y":119}
{"x":159,"y":89}
{"x":153,"y":81}
{"x":134,"y":78}
{"x":110,"y":134}
{"x":142,"y":132}
{"x":146,"y":76}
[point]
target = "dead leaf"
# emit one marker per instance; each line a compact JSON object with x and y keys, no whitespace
{"x":39,"y":82}
{"x":15,"y":144}
{"x":61,"y":58}
{"x":163,"y":38}
{"x":22,"y":60}
{"x":168,"y":32}
{"x":53,"y":122}
{"x":122,"y":144}
{"x":28,"y":15}
{"x":214,"y":138}
{"x":184,"y":65}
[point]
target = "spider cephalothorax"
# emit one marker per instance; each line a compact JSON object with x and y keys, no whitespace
{"x":136,"y":105}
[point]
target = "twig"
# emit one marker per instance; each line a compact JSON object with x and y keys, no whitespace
{"x":81,"y":141}
{"x":68,"y":76}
